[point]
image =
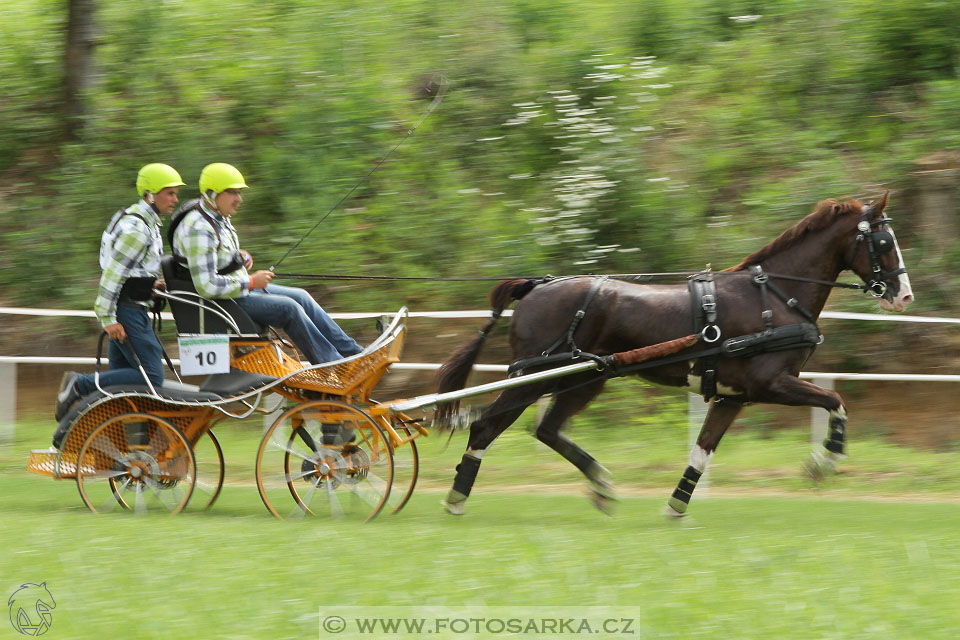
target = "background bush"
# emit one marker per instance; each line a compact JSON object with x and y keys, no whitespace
{"x":597,"y":136}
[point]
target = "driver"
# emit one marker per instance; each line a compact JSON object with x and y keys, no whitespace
{"x":203,"y":236}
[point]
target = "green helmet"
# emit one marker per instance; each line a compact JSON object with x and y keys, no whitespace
{"x":156,"y":176}
{"x":219,"y":177}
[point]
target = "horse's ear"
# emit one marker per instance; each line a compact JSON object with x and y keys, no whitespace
{"x":876,"y":209}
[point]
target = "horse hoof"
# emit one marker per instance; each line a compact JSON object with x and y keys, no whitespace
{"x":453,"y":508}
{"x":673,"y":514}
{"x":819,"y":466}
{"x":603,"y":502}
{"x":813,"y":471}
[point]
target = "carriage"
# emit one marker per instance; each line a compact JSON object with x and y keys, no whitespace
{"x":153,"y":448}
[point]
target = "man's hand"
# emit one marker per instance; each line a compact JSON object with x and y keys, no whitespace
{"x":160,"y":285}
{"x":116,"y":332}
{"x":260,"y":279}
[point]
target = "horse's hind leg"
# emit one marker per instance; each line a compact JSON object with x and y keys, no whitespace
{"x":492,"y":422}
{"x":720,"y":416}
{"x":565,"y":405}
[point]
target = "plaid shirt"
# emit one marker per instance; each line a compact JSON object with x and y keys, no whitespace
{"x":197,"y":241}
{"x":129,"y":248}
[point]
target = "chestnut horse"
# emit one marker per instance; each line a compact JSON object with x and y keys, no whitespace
{"x":798,"y":270}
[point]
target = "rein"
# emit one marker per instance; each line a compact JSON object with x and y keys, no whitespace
{"x":663,"y":275}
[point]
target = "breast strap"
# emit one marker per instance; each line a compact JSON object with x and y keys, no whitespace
{"x":703,"y":305}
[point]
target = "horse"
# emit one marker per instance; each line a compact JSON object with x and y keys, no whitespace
{"x":776,"y":293}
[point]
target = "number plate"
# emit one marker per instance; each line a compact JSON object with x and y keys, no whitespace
{"x":203,"y":354}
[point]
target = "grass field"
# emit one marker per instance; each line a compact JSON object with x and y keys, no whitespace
{"x":765,"y":555}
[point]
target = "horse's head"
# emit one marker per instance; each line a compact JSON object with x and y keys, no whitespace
{"x":875,"y":256}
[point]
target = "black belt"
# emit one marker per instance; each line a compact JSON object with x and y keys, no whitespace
{"x":137,"y":289}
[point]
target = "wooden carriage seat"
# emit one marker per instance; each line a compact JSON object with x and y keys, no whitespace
{"x":187,"y":316}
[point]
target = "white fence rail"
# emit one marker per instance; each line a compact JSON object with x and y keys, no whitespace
{"x":697,"y":408}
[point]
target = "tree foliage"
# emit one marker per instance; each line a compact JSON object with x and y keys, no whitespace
{"x":574,"y":137}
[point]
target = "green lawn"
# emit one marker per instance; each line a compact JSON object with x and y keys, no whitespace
{"x":805,"y":563}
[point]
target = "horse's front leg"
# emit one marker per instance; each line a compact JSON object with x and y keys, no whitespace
{"x":720,"y":416}
{"x":823,"y":461}
{"x":789,"y":390}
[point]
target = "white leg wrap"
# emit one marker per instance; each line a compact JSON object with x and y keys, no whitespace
{"x":476,"y":453}
{"x":699,"y":458}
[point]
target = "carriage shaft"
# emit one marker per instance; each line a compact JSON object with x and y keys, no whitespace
{"x":427,"y":402}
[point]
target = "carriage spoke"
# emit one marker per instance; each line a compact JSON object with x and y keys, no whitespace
{"x":106,"y":474}
{"x":303,"y":507}
{"x":140,"y":506}
{"x":106,"y":447}
{"x":207,"y":488}
{"x":289,"y":449}
{"x":336,"y":510}
{"x":371,"y":496}
{"x":169,"y":497}
{"x":115,"y":498}
{"x":297,"y":476}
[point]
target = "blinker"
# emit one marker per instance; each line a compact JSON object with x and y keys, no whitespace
{"x":882,"y":241}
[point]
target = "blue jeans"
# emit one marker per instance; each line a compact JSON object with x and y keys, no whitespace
{"x":123,"y":371}
{"x":308,"y":325}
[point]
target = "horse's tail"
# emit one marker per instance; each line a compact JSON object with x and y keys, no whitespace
{"x":456,"y":369}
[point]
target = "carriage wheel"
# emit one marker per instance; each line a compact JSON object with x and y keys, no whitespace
{"x":210,"y":470}
{"x":136,"y":461}
{"x":406,"y":464}
{"x":330,"y":457}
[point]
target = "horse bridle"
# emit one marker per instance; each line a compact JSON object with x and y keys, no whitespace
{"x":878,"y":242}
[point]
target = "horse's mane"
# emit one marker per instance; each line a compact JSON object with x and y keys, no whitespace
{"x":824,"y":215}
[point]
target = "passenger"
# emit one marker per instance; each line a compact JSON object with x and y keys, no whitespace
{"x":202,"y":235}
{"x":130,"y":251}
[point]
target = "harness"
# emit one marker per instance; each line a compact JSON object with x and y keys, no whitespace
{"x":703,"y":299}
{"x":703,"y":303}
{"x":549,"y":356}
{"x":181,"y":269}
{"x":567,"y":338}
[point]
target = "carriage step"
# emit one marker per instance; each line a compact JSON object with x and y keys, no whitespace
{"x":44,"y":462}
